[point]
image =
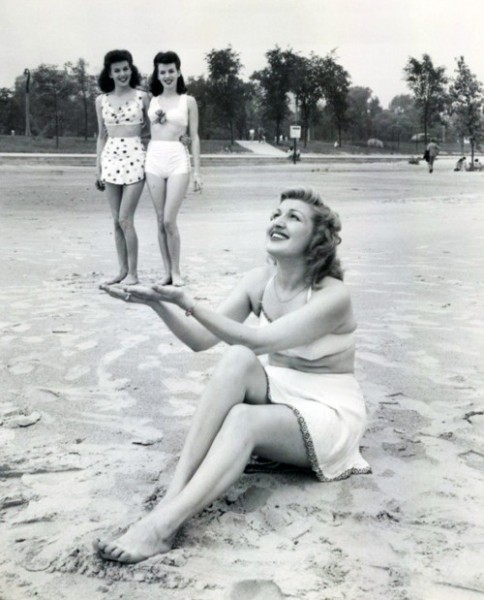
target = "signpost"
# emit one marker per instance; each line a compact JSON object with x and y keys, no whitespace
{"x":295,"y":134}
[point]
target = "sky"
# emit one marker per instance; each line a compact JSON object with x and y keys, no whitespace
{"x":373,"y":39}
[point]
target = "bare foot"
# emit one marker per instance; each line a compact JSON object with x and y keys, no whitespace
{"x":116,"y":279}
{"x":177,"y":281}
{"x":141,"y":541}
{"x":131,"y":280}
{"x":166,"y":280}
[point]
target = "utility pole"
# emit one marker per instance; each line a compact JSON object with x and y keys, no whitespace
{"x":27,"y":103}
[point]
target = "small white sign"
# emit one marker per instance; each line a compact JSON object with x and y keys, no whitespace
{"x":295,"y":132}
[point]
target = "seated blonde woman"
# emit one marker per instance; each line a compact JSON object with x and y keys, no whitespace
{"x":284,"y":390}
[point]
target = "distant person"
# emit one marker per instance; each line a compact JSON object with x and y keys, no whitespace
{"x":251,"y":134}
{"x":285,"y":390}
{"x":477,"y":165}
{"x":173,"y":114}
{"x":121,"y":114}
{"x":431,"y":153}
{"x":460,"y":165}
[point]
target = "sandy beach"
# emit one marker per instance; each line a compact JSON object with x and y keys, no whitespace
{"x":96,"y":396}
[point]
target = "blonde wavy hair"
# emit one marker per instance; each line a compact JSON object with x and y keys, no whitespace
{"x":321,"y":258}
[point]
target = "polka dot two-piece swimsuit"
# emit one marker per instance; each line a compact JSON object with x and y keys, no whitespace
{"x":123,"y":158}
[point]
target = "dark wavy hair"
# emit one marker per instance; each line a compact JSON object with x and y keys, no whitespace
{"x":321,"y":259}
{"x":105,"y":81}
{"x":166,"y":58}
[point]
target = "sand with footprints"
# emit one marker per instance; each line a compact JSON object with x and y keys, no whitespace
{"x":96,"y":396}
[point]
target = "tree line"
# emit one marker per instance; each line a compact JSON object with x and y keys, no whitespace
{"x":314,"y":91}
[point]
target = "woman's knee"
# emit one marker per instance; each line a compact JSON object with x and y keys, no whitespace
{"x":126,"y":224}
{"x":238,"y":360}
{"x":169,"y":226}
{"x":240,"y":422}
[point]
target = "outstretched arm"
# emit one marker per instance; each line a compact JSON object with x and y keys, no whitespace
{"x":326,"y":312}
{"x":236,"y":308}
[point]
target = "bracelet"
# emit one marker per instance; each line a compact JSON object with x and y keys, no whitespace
{"x":189,"y":311}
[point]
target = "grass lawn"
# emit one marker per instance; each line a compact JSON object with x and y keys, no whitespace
{"x":77,"y":145}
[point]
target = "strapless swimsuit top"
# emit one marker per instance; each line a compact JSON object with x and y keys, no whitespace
{"x":129,"y":113}
{"x":331,"y":343}
{"x":175,"y":118}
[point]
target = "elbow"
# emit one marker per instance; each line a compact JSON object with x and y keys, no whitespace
{"x":196,"y":348}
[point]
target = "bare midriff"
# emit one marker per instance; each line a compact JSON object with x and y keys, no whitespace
{"x":121,"y":131}
{"x":342,"y":362}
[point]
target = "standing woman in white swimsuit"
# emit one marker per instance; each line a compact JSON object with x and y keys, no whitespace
{"x":172,"y":114}
{"x":121,"y":113}
{"x":285,"y":390}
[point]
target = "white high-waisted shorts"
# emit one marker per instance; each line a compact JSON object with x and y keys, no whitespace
{"x":167,"y":158}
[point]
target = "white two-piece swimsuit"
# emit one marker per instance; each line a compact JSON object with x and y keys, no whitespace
{"x":329,"y":407}
{"x":165,"y":158}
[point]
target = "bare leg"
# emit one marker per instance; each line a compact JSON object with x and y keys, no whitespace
{"x":114,"y":195}
{"x":176,"y":187}
{"x":239,"y":377}
{"x":157,"y":189}
{"x":271,"y":431}
{"x":129,"y":203}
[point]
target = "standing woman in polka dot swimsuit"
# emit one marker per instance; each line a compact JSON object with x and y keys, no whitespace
{"x":172,"y":115}
{"x":121,"y":113}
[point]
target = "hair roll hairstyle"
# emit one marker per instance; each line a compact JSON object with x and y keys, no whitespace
{"x":321,"y":256}
{"x":166,"y":58}
{"x":105,"y":81}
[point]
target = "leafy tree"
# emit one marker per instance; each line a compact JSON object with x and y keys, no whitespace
{"x":11,"y":110}
{"x":84,"y":88}
{"x":275,"y":84}
{"x":51,"y":89}
{"x":225,"y":87}
{"x":245,"y":113}
{"x":362,"y":110}
{"x":427,"y":84}
{"x":198,"y":88}
{"x":466,"y":102}
{"x":307,"y":77}
{"x":317,"y":79}
{"x":335,"y":88}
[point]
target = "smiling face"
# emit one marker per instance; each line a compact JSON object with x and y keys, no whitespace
{"x":120,"y":73}
{"x":168,"y":75}
{"x":290,"y":229}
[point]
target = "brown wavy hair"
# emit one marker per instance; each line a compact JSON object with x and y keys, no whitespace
{"x":321,"y":258}
{"x":166,"y":58}
{"x":105,"y":82}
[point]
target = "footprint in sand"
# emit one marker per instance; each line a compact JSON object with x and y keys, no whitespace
{"x":20,"y":369}
{"x":252,"y":499}
{"x":87,"y":345}
{"x":33,"y":339}
{"x":473,"y":459}
{"x":76,"y":372}
{"x":256,"y":589}
{"x":20,"y":327}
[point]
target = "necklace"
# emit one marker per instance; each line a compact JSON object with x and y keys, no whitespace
{"x":291,"y":297}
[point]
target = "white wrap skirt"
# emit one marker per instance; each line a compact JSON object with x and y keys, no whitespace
{"x":331,"y":413}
